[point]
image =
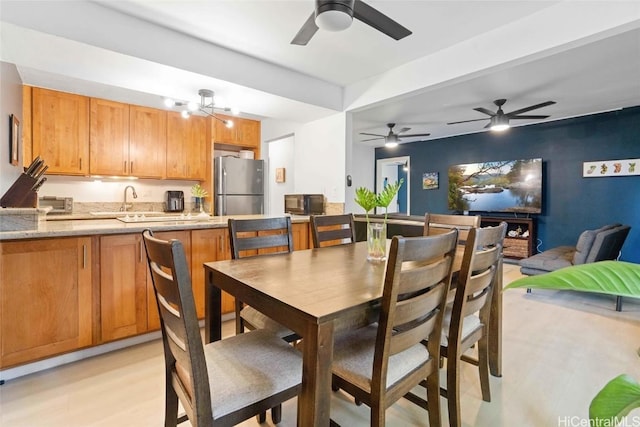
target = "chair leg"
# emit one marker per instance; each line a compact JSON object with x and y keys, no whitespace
{"x":453,"y":388}
{"x":276,"y":414}
{"x":483,"y":368}
{"x":261,"y":418}
{"x":378,"y":413}
{"x":239,"y":322}
{"x":618,"y":303}
{"x":528,"y":290}
{"x":171,"y":406}
{"x":433,"y":399}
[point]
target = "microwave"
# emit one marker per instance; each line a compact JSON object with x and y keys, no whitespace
{"x":304,"y":204}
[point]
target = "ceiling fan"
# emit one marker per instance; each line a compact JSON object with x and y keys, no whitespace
{"x":337,"y":15}
{"x":392,"y":139}
{"x":500,"y":120}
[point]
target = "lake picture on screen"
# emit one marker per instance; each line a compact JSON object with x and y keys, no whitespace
{"x":505,"y":186}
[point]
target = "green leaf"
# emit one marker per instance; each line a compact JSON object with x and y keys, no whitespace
{"x":604,"y":277}
{"x":388,"y":193}
{"x":616,"y":399}
{"x":365,"y":198}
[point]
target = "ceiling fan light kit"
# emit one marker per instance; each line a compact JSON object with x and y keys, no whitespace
{"x":206,"y":106}
{"x":334,"y":15}
{"x":499,"y":123}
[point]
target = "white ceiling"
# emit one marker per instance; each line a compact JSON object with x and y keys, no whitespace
{"x":585,"y":55}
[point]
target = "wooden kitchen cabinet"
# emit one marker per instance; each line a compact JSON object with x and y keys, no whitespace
{"x":186,"y":147}
{"x":300,"y":233}
{"x":60,"y":131}
{"x":123,"y":286}
{"x":245,"y":133}
{"x":45,"y":298}
{"x":127,"y":140}
{"x":208,"y":245}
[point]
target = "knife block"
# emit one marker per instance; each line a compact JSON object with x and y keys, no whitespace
{"x":21,"y":194}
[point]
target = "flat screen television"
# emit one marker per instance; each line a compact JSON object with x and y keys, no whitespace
{"x":504,"y":186}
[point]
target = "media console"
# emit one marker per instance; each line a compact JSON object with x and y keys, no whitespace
{"x":521,"y":235}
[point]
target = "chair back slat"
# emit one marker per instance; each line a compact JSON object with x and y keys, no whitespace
{"x":435,"y":224}
{"x":184,"y":353}
{"x":251,"y":237}
{"x":417,"y":278}
{"x":330,"y":230}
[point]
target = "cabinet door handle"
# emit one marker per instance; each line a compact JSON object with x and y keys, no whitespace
{"x":84,"y":256}
{"x":80,"y":163}
{"x":131,"y":167}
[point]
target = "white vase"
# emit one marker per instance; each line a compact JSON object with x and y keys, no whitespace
{"x":376,"y":241}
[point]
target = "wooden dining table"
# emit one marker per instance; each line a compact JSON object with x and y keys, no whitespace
{"x":310,"y":292}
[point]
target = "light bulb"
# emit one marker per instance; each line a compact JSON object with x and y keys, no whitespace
{"x":185,"y":114}
{"x":228,"y":123}
{"x":499,"y":128}
{"x":169,"y":102}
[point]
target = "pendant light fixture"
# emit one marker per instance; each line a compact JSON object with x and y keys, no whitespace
{"x":206,"y":106}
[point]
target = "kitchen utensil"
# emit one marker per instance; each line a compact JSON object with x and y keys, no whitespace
{"x":32,"y":166}
{"x":41,"y":172}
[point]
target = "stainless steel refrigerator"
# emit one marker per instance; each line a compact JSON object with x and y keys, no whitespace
{"x":239,"y":186}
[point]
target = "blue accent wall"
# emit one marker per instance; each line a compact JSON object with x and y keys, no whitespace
{"x":571,"y":203}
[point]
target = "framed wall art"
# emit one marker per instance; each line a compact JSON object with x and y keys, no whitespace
{"x":601,"y":168}
{"x":14,"y":139}
{"x":280,"y":175}
{"x":430,"y":180}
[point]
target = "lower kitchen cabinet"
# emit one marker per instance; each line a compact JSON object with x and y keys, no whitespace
{"x":123,"y":286}
{"x":208,"y":245}
{"x":46,"y":298}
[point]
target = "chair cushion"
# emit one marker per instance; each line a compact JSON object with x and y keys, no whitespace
{"x":585,"y":241}
{"x":469,"y":324}
{"x":259,"y":321}
{"x":549,"y":260}
{"x":246,"y":368}
{"x":353,"y":358}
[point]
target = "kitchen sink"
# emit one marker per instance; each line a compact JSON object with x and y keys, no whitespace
{"x":163,"y":217}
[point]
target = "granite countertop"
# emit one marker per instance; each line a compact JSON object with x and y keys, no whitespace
{"x":87,"y":225}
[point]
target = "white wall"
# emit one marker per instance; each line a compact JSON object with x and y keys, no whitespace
{"x":10,"y":103}
{"x":319,"y":154}
{"x":280,"y":154}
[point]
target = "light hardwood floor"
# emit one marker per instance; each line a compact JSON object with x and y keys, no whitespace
{"x":560,"y":348}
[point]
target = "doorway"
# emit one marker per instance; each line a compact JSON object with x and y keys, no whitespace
{"x":392,"y":170}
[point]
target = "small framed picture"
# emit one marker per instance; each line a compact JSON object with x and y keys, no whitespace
{"x":280,"y":175}
{"x":14,"y":139}
{"x":430,"y":180}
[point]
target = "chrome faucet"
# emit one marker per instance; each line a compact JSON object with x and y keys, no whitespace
{"x":125,"y":205}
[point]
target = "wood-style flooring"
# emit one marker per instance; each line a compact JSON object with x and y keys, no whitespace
{"x":559,"y":349}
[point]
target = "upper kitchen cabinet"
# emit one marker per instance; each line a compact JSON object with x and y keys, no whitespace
{"x":186,"y":147}
{"x":127,"y":140}
{"x":245,"y":133}
{"x":60,"y":131}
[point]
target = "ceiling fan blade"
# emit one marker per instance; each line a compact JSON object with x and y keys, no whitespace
{"x":306,"y":32}
{"x":487,"y":126}
{"x":465,"y":121}
{"x":372,"y":139}
{"x":414,"y":135}
{"x":379,"y":21}
{"x":528,"y":117}
{"x":485,"y":111}
{"x":533,"y":107}
{"x":403,"y":130}
{"x":372,"y":134}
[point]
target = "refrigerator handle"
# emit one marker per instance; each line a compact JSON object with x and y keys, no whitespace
{"x":224,"y":191}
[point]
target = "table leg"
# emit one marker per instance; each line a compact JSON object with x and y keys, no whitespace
{"x":495,"y":326}
{"x":212,"y":309}
{"x":314,"y":401}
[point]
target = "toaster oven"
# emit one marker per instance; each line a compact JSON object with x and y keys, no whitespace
{"x":59,"y":205}
{"x":304,"y":204}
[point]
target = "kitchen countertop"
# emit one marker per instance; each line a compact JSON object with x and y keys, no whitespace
{"x":87,"y":225}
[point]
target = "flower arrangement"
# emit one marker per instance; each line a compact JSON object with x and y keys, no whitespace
{"x":198,"y":191}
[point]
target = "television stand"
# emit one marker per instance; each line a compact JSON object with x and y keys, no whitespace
{"x":517,"y":244}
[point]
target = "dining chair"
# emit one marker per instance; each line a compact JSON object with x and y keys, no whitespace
{"x":254,"y":237}
{"x":222,"y":383}
{"x":466,"y":320}
{"x":331,"y":230}
{"x":380,"y":363}
{"x":435,"y":224}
